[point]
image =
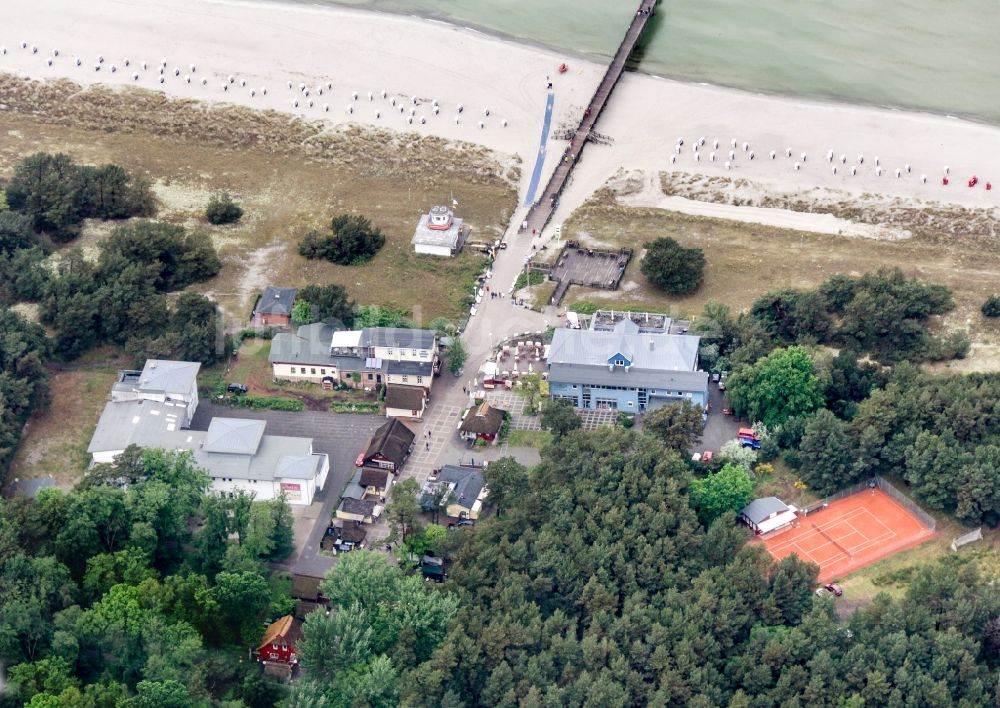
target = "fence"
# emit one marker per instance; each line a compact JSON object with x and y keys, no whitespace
{"x":974,"y":535}
{"x":907,"y":503}
{"x":890,"y":491}
{"x":842,"y":494}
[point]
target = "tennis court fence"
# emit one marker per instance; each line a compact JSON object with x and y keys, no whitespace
{"x":873,"y":483}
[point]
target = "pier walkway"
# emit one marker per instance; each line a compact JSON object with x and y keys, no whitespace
{"x":541,"y":211}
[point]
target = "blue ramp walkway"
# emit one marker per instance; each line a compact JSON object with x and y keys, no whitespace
{"x":536,"y":175}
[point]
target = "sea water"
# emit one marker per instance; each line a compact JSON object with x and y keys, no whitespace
{"x":936,"y":55}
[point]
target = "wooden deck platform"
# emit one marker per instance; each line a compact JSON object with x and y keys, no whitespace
{"x":540,"y":213}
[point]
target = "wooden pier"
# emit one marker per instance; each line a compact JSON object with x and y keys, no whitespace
{"x":541,"y":211}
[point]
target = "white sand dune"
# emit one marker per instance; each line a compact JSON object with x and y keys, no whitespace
{"x":268,"y":45}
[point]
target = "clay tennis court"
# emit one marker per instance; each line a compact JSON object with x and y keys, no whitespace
{"x":849,"y":534}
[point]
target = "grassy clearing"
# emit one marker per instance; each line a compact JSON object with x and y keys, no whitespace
{"x":289,"y":176}
{"x":55,"y":440}
{"x":524,"y":279}
{"x":529,"y":438}
{"x":747,"y":260}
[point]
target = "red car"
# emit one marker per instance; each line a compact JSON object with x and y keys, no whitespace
{"x":360,"y":462}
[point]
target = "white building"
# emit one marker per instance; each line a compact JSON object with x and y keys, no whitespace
{"x":171,"y":382}
{"x":234,"y":452}
{"x":439,"y":233}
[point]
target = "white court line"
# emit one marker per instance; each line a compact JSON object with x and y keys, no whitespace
{"x":846,"y":515}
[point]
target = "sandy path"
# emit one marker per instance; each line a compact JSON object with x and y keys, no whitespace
{"x":652,"y":196}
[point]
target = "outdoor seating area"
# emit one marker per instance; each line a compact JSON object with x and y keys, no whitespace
{"x":514,"y":361}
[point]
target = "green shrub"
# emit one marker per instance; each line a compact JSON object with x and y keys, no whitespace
{"x":222,"y":209}
{"x":991,"y":308}
{"x":263,"y":403}
{"x":360,"y":407}
{"x":584,"y":308}
{"x":262,"y":333}
{"x":352,"y":240}
{"x":672,"y":268}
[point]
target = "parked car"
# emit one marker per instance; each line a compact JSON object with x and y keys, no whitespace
{"x":748,"y":438}
{"x":831,"y":588}
{"x":237,"y":388}
{"x":360,"y":462}
{"x":707,"y":455}
{"x":461,"y":522}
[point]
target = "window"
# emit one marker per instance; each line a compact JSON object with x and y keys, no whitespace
{"x":413,"y":352}
{"x":274,"y":646}
{"x":423,"y":354}
{"x":420,"y":379}
{"x":405,"y":378}
{"x":619,"y":362}
{"x":574,"y":385}
{"x":631,"y":404}
{"x":323,"y":371}
{"x":370,"y":377}
{"x":389,"y":351}
{"x":273,"y":655}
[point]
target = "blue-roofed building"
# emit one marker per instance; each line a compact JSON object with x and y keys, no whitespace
{"x":625,"y":368}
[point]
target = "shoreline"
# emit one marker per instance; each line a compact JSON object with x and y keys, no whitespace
{"x":818,"y":98}
{"x":432,"y":67}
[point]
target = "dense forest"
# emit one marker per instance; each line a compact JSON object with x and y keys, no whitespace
{"x":858,"y":405}
{"x":137,"y":589}
{"x":599,"y":587}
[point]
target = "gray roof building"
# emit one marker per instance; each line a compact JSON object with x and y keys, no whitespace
{"x":159,"y":378}
{"x":310,"y":345}
{"x":354,"y":489}
{"x":466,"y":484}
{"x":263,"y":464}
{"x":228,"y":449}
{"x":761,"y":509}
{"x":398,"y":337}
{"x":409,"y":368}
{"x":439,"y":231}
{"x":169,"y":377}
{"x":276,"y":301}
{"x":625,"y":357}
{"x":234,"y":435}
{"x":137,"y":422}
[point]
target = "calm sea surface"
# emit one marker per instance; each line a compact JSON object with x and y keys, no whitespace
{"x":938,"y":55}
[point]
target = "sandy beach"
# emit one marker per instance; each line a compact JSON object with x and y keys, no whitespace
{"x":427,"y":69}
